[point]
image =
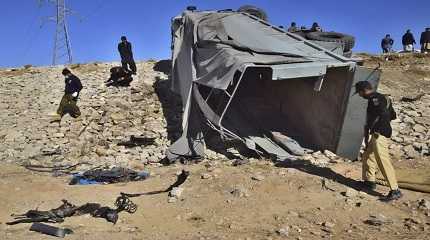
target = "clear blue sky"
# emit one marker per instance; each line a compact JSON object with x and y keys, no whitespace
{"x":96,"y":29}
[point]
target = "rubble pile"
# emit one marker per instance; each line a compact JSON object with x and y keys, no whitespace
{"x":411,"y":135}
{"x":109,"y":115}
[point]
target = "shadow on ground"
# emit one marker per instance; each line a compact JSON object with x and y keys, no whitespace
{"x":325,"y":172}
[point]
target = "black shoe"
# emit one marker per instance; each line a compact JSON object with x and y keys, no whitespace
{"x":392,"y":195}
{"x":369,"y":185}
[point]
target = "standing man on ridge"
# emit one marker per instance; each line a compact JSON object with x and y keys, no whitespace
{"x":408,"y":41}
{"x":425,"y":41}
{"x":124,"y":49}
{"x":387,"y":44}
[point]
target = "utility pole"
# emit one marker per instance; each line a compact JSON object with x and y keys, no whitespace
{"x":62,"y":47}
{"x":62,"y":53}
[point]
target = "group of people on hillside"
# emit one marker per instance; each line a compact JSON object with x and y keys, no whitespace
{"x":73,"y":85}
{"x":408,"y":42}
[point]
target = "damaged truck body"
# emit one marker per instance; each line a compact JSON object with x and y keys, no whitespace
{"x":274,"y":91}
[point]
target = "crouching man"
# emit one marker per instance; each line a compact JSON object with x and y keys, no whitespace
{"x":378,"y":128}
{"x":119,"y":77}
{"x":70,"y":98}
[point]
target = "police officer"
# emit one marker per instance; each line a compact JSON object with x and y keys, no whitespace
{"x":124,"y":49}
{"x":378,"y":129}
{"x":72,"y":88}
{"x":293,"y":27}
{"x":387,"y":44}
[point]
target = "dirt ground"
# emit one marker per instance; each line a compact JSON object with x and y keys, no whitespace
{"x":291,"y":198}
{"x":259,"y":200}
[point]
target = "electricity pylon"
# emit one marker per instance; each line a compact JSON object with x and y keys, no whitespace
{"x":62,"y":53}
{"x":62,"y":47}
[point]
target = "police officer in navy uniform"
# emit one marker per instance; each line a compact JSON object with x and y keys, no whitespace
{"x":68,"y":103}
{"x":126,"y":53}
{"x":378,"y":128}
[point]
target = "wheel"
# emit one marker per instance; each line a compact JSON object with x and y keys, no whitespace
{"x":253,"y":10}
{"x":347,"y":41}
{"x":348,"y":54}
{"x":300,"y":33}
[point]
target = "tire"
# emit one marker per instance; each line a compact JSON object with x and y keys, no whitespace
{"x":253,"y":10}
{"x":347,"y":41}
{"x":348,"y":54}
{"x":300,"y":33}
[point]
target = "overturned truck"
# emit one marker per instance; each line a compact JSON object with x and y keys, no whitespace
{"x":270,"y":89}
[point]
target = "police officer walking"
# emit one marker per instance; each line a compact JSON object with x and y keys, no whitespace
{"x":379,"y":114}
{"x":124,"y":49}
{"x":73,"y":86}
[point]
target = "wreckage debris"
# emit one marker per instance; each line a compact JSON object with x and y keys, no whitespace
{"x":56,"y":170}
{"x":412,"y":99}
{"x":239,"y":162}
{"x":53,"y":216}
{"x":378,"y":220}
{"x":137,"y":141}
{"x":50,"y":230}
{"x":179,"y":181}
{"x":113,"y":175}
{"x":57,"y":215}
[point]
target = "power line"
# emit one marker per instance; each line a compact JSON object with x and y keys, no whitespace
{"x":31,"y":36}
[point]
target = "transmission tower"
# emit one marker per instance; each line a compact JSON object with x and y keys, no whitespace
{"x":62,"y":47}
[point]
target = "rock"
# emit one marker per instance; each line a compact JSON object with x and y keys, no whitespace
{"x":101,"y":151}
{"x":397,"y":139}
{"x":350,"y":193}
{"x":258,"y":177}
{"x":283,"y":231}
{"x":328,"y":224}
{"x":378,"y":220}
{"x":137,"y":98}
{"x":14,"y":136}
{"x":117,"y":117}
{"x":411,"y":113}
{"x":413,"y":220}
{"x":319,"y":159}
{"x":176,"y":192}
{"x":419,"y":146}
{"x":206,"y":176}
{"x":239,"y":162}
{"x":58,"y":135}
{"x":239,"y":192}
{"x":419,"y":128}
{"x":330,"y":155}
{"x":424,"y":204}
{"x":296,"y":228}
{"x":409,"y":120}
{"x":410,"y":152}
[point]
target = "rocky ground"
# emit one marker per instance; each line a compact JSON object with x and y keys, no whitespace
{"x":312,"y":199}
